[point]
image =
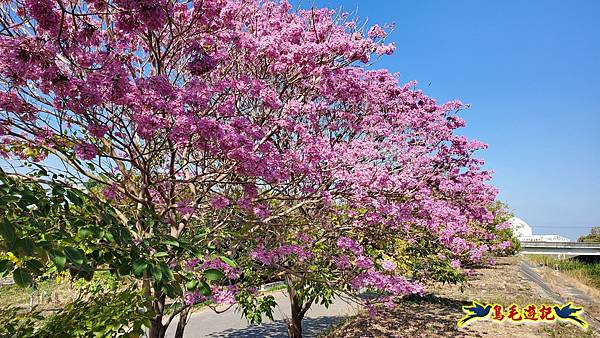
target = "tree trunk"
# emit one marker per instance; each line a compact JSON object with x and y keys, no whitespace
{"x":183,"y":318}
{"x":157,"y":328}
{"x":294,"y":323}
{"x":32,"y":296}
{"x":294,"y":327}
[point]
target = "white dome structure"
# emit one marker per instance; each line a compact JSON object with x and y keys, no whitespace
{"x":524,"y":233}
{"x":520,"y":228}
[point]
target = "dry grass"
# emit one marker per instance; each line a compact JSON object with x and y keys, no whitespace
{"x":436,"y":314}
{"x":586,"y":273}
{"x":563,"y":280}
{"x":48,"y":296}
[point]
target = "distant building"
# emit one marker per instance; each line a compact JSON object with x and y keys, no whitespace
{"x":519,"y":227}
{"x":524,"y":233}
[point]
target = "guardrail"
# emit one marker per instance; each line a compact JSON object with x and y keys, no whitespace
{"x":567,"y":249}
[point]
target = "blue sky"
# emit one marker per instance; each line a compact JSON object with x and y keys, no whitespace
{"x":531,"y":72}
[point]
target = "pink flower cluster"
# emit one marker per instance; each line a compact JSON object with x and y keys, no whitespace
{"x":85,"y":151}
{"x":268,"y":257}
{"x":394,"y":285}
{"x":219,"y":295}
{"x":349,"y":244}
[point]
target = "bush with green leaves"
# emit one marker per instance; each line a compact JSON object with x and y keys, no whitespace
{"x":592,"y":237}
{"x":120,"y":314}
{"x":16,"y":324}
{"x":47,"y":228}
{"x":50,"y":226}
{"x":110,"y":314}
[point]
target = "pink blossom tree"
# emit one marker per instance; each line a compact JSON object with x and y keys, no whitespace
{"x":395,"y":194}
{"x":245,"y":128}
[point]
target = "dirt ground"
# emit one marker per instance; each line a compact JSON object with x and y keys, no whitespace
{"x":436,"y":314}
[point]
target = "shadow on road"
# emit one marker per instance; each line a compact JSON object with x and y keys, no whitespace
{"x":312,"y":327}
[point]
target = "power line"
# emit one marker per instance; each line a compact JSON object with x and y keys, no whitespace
{"x":563,"y":226}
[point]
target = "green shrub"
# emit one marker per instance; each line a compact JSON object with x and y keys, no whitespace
{"x":111,"y":314}
{"x":14,"y":324}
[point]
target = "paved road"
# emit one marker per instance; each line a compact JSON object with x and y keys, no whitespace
{"x":529,"y":272}
{"x":206,"y":323}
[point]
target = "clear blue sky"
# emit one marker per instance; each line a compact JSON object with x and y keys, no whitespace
{"x":531,"y":72}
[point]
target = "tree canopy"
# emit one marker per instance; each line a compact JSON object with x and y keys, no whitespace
{"x":238,"y":141}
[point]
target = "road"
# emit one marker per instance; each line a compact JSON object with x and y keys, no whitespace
{"x":207,"y":323}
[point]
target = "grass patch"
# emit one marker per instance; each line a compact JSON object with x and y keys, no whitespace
{"x":275,"y":288}
{"x":54,"y":293}
{"x":587,"y":273}
{"x":46,"y":295}
{"x":14,"y":295}
{"x":560,"y":330}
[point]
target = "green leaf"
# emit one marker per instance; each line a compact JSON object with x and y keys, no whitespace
{"x":97,"y":255}
{"x":34,"y":265}
{"x":139,"y":266}
{"x":74,"y":255}
{"x":106,"y":217}
{"x":85,"y":232}
{"x":109,"y":236}
{"x":173,"y":290}
{"x":5,"y":266}
{"x":28,"y":198}
{"x":229,"y":261}
{"x":213,"y":274}
{"x":58,"y":190}
{"x":155,"y":273}
{"x":25,"y":246}
{"x":166,"y":271}
{"x":122,"y":235}
{"x":7,"y":199}
{"x":123,"y":268}
{"x":171,"y":241}
{"x":160,"y":254}
{"x":73,"y":196}
{"x":8,"y":231}
{"x":196,"y":252}
{"x":58,"y":258}
{"x":191,"y":285}
{"x":22,"y":277}
{"x":204,"y":288}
